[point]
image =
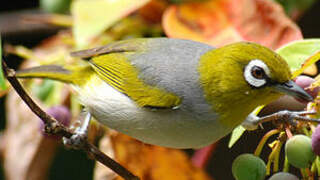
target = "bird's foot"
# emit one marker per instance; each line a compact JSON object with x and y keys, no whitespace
{"x":79,"y":139}
{"x":285,"y":116}
{"x":76,"y":141}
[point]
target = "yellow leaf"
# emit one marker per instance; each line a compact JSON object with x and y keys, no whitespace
{"x":311,"y":60}
{"x":92,"y":17}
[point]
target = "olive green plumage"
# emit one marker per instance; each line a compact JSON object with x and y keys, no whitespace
{"x":171,"y":92}
{"x":225,"y":86}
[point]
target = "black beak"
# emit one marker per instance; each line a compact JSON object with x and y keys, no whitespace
{"x":292,"y":89}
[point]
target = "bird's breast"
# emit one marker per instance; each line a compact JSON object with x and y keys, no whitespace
{"x":176,"y":128}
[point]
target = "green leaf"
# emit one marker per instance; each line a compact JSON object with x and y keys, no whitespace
{"x":235,"y":135}
{"x":297,"y":52}
{"x":296,"y":6}
{"x":42,"y":91}
{"x":2,"y":79}
{"x":92,"y":17}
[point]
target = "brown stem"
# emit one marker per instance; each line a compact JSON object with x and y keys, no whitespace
{"x":52,"y":126}
{"x":109,"y":162}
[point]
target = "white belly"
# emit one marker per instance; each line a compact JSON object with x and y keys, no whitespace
{"x":170,"y":128}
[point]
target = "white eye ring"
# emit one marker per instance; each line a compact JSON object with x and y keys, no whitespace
{"x":252,"y":80}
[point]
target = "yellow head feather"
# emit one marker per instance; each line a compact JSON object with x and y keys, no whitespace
{"x":222,"y":77}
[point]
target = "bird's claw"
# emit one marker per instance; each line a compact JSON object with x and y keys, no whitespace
{"x":76,"y":141}
{"x":288,"y":117}
{"x":79,"y":139}
{"x":292,"y":117}
{"x":285,"y":116}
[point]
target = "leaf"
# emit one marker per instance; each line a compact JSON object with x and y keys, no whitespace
{"x":92,"y":17}
{"x":300,"y":54}
{"x":310,"y":61}
{"x":42,"y":91}
{"x":3,"y":86}
{"x":219,"y":22}
{"x":152,"y":11}
{"x":235,"y":135}
{"x":201,"y":157}
{"x":295,"y":8}
{"x":154,"y":162}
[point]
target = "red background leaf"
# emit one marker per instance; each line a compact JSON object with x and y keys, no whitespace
{"x":219,"y":22}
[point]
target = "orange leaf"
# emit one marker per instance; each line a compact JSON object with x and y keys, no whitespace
{"x":219,"y":22}
{"x":154,"y":162}
{"x":153,"y":10}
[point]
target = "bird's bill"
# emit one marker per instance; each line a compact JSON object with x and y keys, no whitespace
{"x":292,"y":89}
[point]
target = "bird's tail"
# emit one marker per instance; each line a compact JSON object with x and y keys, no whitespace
{"x":72,"y":75}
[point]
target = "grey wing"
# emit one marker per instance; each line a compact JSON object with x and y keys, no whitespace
{"x":172,"y":64}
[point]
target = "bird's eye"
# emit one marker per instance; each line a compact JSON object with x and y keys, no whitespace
{"x":257,"y":72}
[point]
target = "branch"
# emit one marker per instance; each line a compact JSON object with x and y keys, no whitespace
{"x":52,"y":126}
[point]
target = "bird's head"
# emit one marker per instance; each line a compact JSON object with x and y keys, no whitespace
{"x":238,"y":77}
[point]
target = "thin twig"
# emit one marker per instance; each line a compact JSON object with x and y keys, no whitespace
{"x":52,"y":126}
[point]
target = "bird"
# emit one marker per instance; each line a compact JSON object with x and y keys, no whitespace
{"x":173,"y":92}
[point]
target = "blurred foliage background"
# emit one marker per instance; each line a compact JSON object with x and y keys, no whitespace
{"x":70,"y":164}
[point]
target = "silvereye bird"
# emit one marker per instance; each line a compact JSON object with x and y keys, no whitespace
{"x":172,"y":92}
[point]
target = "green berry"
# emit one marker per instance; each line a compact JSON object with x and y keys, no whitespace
{"x":299,"y":151}
{"x":283,"y":176}
{"x":248,"y":167}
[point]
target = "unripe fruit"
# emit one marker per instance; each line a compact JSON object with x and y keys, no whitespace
{"x":248,"y":167}
{"x":283,"y":176}
{"x":299,"y":151}
{"x":315,"y":141}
